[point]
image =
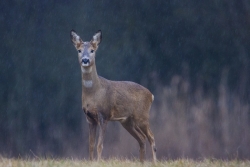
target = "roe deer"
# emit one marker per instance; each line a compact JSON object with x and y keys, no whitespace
{"x":104,"y":100}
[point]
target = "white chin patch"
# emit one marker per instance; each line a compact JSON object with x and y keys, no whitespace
{"x":85,"y":65}
{"x":86,"y":70}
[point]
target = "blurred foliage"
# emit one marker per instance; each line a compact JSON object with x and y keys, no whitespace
{"x":143,"y":41}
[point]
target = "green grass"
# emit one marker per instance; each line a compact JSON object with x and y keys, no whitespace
{"x":4,"y":162}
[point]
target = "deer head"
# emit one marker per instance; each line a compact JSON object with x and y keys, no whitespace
{"x":86,"y":50}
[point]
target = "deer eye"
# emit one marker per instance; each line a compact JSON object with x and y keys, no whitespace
{"x":79,"y":51}
{"x":92,"y":51}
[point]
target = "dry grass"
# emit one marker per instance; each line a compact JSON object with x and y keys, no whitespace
{"x":4,"y":162}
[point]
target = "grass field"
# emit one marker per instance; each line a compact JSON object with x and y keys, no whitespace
{"x":4,"y":162}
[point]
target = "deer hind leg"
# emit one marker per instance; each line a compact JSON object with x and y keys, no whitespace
{"x":138,"y":134}
{"x":146,"y":129}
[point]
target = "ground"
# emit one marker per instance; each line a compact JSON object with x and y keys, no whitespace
{"x":4,"y":162}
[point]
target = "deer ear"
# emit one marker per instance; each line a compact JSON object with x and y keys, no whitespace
{"x":97,"y":38}
{"x":76,"y":39}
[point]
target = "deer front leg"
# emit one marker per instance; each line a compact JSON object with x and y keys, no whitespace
{"x":103,"y":125}
{"x":92,"y":135}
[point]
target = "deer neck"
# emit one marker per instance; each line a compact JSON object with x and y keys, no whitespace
{"x":90,"y":79}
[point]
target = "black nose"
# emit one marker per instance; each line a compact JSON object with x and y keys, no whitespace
{"x":85,"y":61}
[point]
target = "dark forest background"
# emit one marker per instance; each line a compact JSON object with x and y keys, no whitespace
{"x":193,"y":56}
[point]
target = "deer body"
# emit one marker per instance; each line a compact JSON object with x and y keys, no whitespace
{"x":104,"y":100}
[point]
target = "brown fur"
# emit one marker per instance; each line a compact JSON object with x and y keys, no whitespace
{"x":105,"y":100}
